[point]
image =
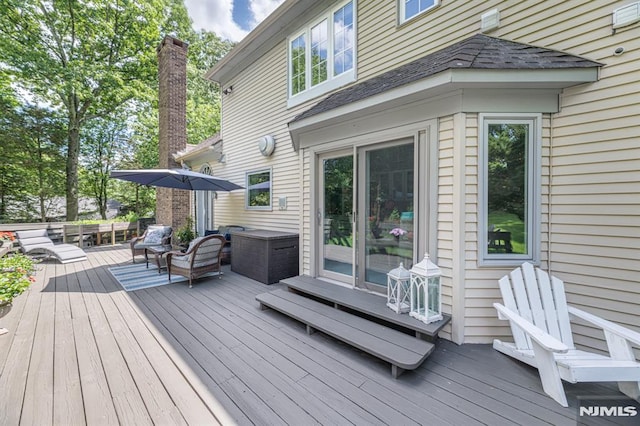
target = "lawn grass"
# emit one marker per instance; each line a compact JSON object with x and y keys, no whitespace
{"x":509,"y":222}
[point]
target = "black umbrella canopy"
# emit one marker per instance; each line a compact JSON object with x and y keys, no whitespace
{"x":176,"y":178}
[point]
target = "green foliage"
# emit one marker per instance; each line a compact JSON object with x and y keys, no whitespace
{"x":33,"y":138}
{"x":104,"y":143}
{"x":185,"y":233}
{"x":86,"y":58}
{"x":16,"y":275}
{"x":94,"y":65}
{"x":507,"y":168}
{"x":394,"y":215}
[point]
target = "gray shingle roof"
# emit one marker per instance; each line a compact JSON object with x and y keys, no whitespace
{"x":477,"y":52}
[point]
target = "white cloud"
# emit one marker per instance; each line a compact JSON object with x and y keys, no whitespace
{"x":216,"y":16}
{"x":260,"y":9}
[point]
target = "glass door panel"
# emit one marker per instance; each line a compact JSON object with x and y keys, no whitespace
{"x":336,"y":218}
{"x":388,"y":237}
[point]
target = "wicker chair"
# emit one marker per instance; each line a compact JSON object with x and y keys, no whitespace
{"x":202,"y":256}
{"x":154,"y":235}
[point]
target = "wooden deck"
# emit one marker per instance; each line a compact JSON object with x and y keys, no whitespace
{"x":82,"y":351}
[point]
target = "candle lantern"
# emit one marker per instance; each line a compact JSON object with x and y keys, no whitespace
{"x":398,"y":290}
{"x":425,"y":291}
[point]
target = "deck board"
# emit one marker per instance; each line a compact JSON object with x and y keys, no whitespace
{"x":80,"y":350}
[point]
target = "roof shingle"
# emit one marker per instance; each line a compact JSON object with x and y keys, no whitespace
{"x":477,"y":52}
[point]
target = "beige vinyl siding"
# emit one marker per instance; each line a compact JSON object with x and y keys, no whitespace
{"x":595,"y":180}
{"x":306,"y":214}
{"x":445,"y":222}
{"x":256,"y":107}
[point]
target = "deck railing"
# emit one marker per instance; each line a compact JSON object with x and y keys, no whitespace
{"x":84,"y":234}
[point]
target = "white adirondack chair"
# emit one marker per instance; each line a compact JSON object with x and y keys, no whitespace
{"x":537,"y":310}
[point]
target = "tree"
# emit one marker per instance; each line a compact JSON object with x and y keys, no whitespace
{"x":33,"y":139}
{"x":87,"y":58}
{"x":104,"y":144}
{"x":41,"y":134}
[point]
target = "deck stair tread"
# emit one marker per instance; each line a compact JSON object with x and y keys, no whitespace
{"x":363,"y":302}
{"x":395,"y":347}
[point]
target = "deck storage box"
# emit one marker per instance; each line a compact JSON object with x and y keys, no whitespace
{"x":265,"y":256}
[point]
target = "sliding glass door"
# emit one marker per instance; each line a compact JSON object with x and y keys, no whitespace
{"x":335,"y":217}
{"x":386,"y":180}
{"x":366,"y":225}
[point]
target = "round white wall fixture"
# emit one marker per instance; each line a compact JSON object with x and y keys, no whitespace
{"x":267,"y":145}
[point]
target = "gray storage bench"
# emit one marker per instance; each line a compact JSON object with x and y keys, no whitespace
{"x":401,"y":350}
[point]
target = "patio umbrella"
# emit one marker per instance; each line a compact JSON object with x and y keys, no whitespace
{"x":176,"y":178}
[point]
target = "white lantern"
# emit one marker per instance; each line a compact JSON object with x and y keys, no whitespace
{"x":398,"y":290}
{"x":425,"y":291}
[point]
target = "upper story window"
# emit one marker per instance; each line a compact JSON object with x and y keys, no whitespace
{"x":411,"y":8}
{"x":509,"y":220}
{"x":322,"y":55}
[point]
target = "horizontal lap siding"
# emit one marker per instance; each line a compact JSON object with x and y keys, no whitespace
{"x":595,"y":238}
{"x":258,"y":107}
{"x":445,"y":221}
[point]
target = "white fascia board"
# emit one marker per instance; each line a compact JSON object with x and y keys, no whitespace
{"x":538,"y":78}
{"x":204,"y":153}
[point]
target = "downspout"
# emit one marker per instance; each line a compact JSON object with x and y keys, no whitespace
{"x":549,"y":221}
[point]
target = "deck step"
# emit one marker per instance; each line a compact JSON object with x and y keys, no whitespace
{"x":366,"y":303}
{"x":404,"y":352}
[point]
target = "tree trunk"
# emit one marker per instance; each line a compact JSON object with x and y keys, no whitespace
{"x":72,"y":168}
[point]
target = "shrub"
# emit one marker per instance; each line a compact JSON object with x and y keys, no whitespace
{"x":16,"y":275}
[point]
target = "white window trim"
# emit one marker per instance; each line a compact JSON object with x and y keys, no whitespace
{"x":246,"y":196}
{"x":332,"y":82}
{"x":401,"y":11}
{"x":534,"y":187}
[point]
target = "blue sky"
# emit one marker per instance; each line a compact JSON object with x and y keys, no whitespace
{"x":231,"y":19}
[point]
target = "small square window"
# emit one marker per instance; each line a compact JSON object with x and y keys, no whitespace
{"x":258,"y":191}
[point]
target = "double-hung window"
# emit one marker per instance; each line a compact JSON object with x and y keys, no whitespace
{"x":322,"y":55}
{"x":509,"y":219}
{"x":258,"y":193}
{"x":411,"y":8}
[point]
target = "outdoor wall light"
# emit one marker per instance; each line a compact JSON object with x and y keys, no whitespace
{"x":228,"y":90}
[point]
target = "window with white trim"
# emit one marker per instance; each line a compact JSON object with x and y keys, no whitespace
{"x":322,"y":55}
{"x":509,"y":220}
{"x":258,"y":192}
{"x":411,"y":8}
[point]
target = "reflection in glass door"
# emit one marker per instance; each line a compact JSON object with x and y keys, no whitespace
{"x":335,"y":217}
{"x":388,"y":206}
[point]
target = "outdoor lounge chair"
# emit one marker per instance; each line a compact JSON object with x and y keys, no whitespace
{"x":535,"y":305}
{"x":202,"y":256}
{"x":154,"y":235}
{"x":37,"y":242}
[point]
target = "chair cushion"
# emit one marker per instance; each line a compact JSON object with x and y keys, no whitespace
{"x":154,"y":237}
{"x":21,"y":235}
{"x":26,"y":242}
{"x":194,"y":242}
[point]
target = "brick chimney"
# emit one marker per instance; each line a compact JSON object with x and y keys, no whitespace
{"x":172,"y":205}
